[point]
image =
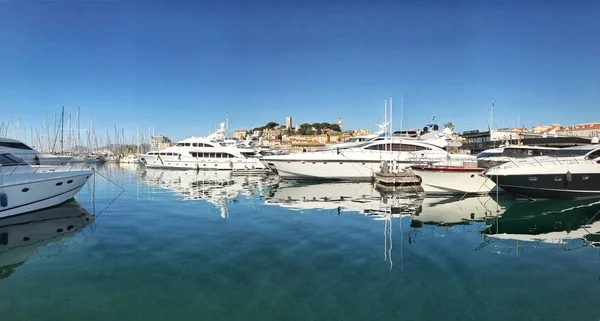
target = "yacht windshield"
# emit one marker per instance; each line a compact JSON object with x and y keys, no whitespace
{"x":568,"y":152}
{"x":10,"y":160}
{"x":488,"y":154}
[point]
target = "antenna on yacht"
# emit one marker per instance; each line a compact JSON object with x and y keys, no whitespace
{"x":401,"y":110}
{"x":385,"y":132}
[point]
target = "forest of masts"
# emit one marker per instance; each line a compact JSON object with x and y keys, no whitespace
{"x":65,"y":135}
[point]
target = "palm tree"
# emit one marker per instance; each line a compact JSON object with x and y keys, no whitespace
{"x":449,"y":125}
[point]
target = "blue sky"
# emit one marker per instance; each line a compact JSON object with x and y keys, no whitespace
{"x":180,"y":66}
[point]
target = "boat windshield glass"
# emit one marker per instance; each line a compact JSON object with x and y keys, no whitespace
{"x":523,"y":152}
{"x":489,"y":154}
{"x":10,"y":160}
{"x":568,"y":152}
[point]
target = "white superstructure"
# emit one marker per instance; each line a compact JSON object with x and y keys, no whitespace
{"x":213,"y":152}
{"x":29,"y":154}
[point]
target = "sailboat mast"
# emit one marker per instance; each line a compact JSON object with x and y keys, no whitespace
{"x":62,"y":129}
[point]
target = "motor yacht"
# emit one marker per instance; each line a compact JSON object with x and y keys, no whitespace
{"x":571,"y":172}
{"x":359,"y":163}
{"x":465,"y":180}
{"x":204,"y":153}
{"x":30,"y":155}
{"x":513,"y":153}
{"x":25,"y":188}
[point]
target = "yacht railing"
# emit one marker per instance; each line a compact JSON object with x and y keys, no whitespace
{"x":547,"y":160}
{"x":17,"y":168}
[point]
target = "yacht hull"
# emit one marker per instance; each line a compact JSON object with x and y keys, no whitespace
{"x":448,"y":180}
{"x":26,"y":192}
{"x":326,"y":170}
{"x":541,"y":186}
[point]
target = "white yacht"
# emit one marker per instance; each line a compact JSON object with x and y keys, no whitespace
{"x":204,"y":153}
{"x":362,"y":161}
{"x":29,"y":154}
{"x":466,"y":180}
{"x":571,"y":172}
{"x":25,"y":188}
{"x":513,"y":153}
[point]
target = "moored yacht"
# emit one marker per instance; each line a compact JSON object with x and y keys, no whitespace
{"x":513,"y":153}
{"x":465,"y":180}
{"x":29,"y":154}
{"x":571,"y":172}
{"x":360,"y":162}
{"x":25,"y":188}
{"x":204,"y":153}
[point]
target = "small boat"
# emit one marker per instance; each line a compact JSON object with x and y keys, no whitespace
{"x":25,"y":188}
{"x":453,"y":180}
{"x":129,"y":159}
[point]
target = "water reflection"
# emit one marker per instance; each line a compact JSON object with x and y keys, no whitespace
{"x":551,"y":224}
{"x":22,"y":236}
{"x":216,"y":187}
{"x":364,"y":198}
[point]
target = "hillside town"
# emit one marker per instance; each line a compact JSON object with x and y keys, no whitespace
{"x":309,"y":137}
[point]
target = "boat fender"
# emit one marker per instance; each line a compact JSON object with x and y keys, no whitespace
{"x":419,"y":179}
{"x":3,"y":200}
{"x":568,"y":177}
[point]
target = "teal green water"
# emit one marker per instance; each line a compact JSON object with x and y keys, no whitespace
{"x":164,"y":250}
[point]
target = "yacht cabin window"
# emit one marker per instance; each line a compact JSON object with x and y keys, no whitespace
{"x":593,"y":155}
{"x":15,"y":145}
{"x":10,"y":160}
{"x":568,"y":152}
{"x":398,"y":147}
{"x":523,"y":152}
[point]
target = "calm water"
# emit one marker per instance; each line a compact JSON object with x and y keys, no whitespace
{"x":178,"y":245}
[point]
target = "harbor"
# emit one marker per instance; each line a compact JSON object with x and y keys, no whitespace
{"x":331,"y":161}
{"x":210,"y":234}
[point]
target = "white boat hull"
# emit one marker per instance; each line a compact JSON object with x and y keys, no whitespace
{"x":440,"y":182}
{"x":30,"y":192}
{"x":328,"y":170}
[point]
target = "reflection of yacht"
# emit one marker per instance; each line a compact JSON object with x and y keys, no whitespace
{"x":550,"y":221}
{"x":358,"y":197}
{"x":22,"y":236}
{"x":216,"y":187}
{"x":455,"y":210}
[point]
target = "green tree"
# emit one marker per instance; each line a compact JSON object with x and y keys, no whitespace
{"x":335,"y":127}
{"x":272,"y":124}
{"x":449,"y":125}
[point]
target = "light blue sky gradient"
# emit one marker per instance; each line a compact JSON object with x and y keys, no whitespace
{"x":175,"y":64}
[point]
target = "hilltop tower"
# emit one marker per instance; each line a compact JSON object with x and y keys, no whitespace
{"x":340,"y":122}
{"x":288,"y":123}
